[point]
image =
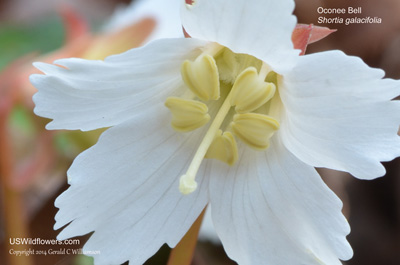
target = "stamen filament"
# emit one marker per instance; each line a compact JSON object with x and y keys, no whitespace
{"x":188,"y":94}
{"x":213,"y":49}
{"x":187,"y":182}
{"x":265,"y":69}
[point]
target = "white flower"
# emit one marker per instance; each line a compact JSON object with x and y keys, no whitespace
{"x":270,"y":206}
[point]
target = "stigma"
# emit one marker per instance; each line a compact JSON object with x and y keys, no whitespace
{"x":243,"y":107}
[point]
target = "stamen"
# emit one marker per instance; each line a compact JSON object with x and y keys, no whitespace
{"x":250,"y":91}
{"x":223,"y":148}
{"x":202,"y":77}
{"x":187,"y":182}
{"x":254,"y":129}
{"x":188,"y":95}
{"x":265,"y":70}
{"x":187,"y":115}
{"x":213,"y":49}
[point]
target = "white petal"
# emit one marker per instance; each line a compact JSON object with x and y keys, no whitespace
{"x":273,"y":209}
{"x":87,"y":95}
{"x":207,"y":230}
{"x":339,"y":114}
{"x":257,"y":27}
{"x":125,"y":188}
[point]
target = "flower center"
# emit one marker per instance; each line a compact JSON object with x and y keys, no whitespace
{"x":241,"y":88}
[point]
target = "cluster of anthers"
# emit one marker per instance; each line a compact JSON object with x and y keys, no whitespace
{"x":221,"y":79}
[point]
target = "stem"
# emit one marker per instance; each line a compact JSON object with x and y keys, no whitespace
{"x":14,"y":215}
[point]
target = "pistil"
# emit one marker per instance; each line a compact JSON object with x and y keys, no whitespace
{"x":188,"y":183}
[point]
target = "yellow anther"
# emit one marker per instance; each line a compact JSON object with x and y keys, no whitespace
{"x":202,"y":77}
{"x":187,"y":115}
{"x":254,"y":129}
{"x":223,"y":148}
{"x":250,"y":91}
